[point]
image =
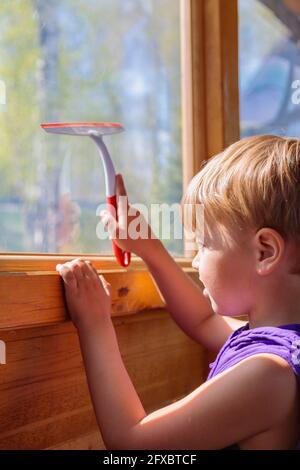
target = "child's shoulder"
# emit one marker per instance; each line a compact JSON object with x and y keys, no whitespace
{"x":282,"y":342}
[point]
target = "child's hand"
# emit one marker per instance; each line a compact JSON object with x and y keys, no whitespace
{"x":132,"y":232}
{"x":88,"y":296}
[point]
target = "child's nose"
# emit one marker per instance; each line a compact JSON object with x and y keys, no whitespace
{"x":195,"y":262}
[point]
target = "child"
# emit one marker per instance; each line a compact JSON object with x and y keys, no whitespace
{"x":249,"y":265}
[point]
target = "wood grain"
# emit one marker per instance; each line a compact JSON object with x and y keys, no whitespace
{"x":44,"y":395}
{"x":221,"y":74}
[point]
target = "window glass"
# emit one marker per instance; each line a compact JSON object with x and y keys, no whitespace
{"x":85,"y":60}
{"x":269,"y":67}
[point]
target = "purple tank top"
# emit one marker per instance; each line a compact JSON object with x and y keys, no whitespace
{"x":282,"y":340}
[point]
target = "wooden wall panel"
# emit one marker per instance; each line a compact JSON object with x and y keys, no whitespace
{"x":44,"y":399}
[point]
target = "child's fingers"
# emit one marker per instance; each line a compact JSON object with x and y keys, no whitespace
{"x":93,"y":271}
{"x":106,"y":285}
{"x":109,"y":222}
{"x":121,"y":190}
{"x":104,"y":217}
{"x":82,"y":270}
{"x":88,"y":271}
{"x":67,"y":275}
{"x":123,"y":209}
{"x":76,"y":267}
{"x":122,"y":198}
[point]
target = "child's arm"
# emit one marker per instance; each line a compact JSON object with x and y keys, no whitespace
{"x":225,"y":410}
{"x":184,"y":298}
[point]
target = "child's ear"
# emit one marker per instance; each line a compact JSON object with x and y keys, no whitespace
{"x":269,"y":247}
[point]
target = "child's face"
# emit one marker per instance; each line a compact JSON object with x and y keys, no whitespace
{"x":226,"y":271}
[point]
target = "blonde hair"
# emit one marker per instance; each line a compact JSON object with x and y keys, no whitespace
{"x":254,"y":183}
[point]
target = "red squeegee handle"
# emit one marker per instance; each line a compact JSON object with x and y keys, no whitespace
{"x":123,"y":257}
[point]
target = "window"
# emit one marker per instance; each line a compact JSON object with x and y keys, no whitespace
{"x":269,"y":63}
{"x":184,"y":93}
{"x":79,"y":60}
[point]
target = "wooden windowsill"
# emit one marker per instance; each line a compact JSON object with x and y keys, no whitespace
{"x":31,"y":290}
{"x":28,"y":262}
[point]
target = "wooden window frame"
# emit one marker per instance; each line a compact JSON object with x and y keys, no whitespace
{"x":30,"y":288}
